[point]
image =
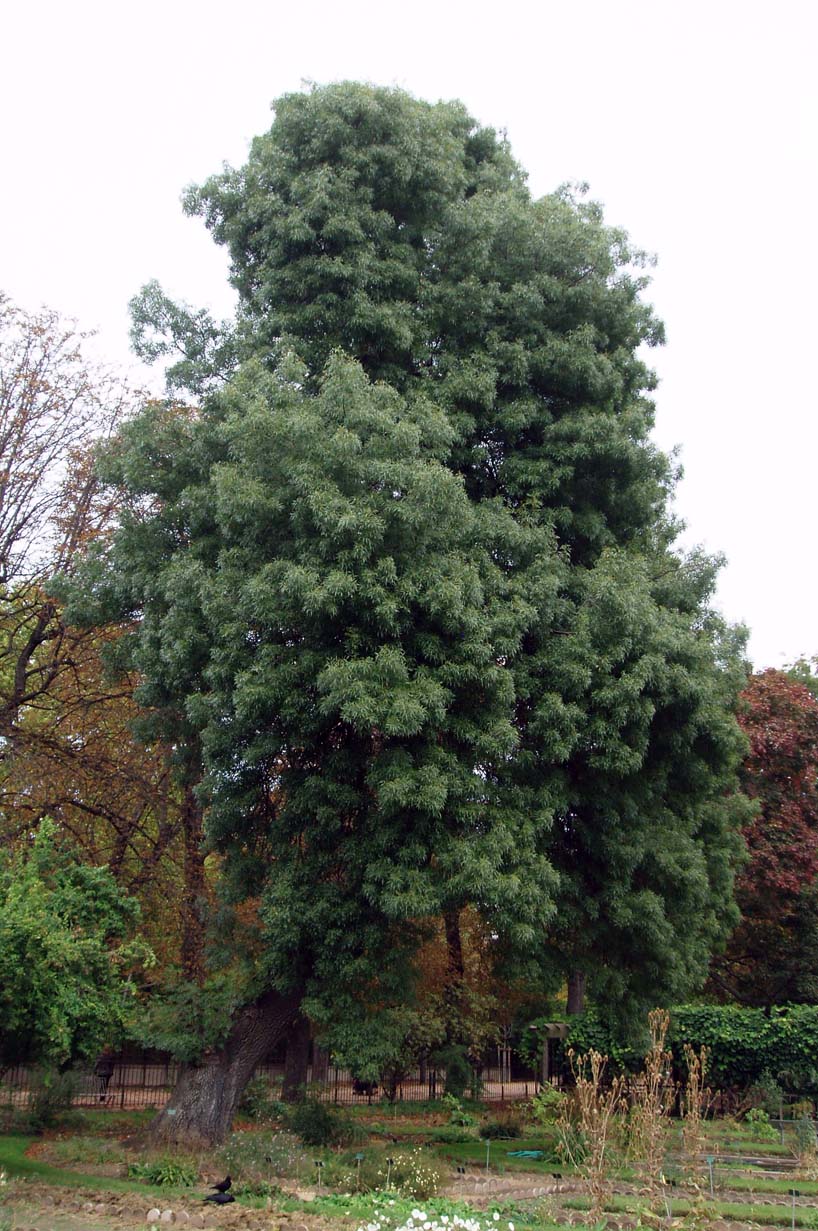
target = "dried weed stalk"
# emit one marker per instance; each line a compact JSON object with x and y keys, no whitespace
{"x":696,"y":1100}
{"x":588,"y":1124}
{"x":652,"y":1094}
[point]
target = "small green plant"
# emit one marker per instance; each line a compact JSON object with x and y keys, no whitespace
{"x":546,"y":1106}
{"x":759,"y":1121}
{"x":165,"y":1170}
{"x":457,"y":1114}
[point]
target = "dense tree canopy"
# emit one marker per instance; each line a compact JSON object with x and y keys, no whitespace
{"x":64,"y":954}
{"x":402,"y":592}
{"x":772,"y":956}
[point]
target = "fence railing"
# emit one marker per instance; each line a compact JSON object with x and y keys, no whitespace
{"x":149,"y":1085}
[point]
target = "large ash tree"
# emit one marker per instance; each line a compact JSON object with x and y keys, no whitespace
{"x":416,"y":599}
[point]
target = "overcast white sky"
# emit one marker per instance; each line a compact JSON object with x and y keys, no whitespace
{"x":694,"y":123}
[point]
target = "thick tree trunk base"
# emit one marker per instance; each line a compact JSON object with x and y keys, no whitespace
{"x":201,"y":1109}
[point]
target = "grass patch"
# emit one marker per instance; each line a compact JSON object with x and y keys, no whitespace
{"x":760,"y":1184}
{"x":474,"y":1152}
{"x":13,"y":1160}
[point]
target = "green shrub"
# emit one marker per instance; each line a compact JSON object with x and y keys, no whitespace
{"x":50,"y":1099}
{"x":315,"y":1123}
{"x":766,"y":1094}
{"x":165,"y":1170}
{"x":505,"y":1129}
{"x":546,"y":1106}
{"x":458,"y":1070}
{"x":457,"y":1114}
{"x":758,"y":1118}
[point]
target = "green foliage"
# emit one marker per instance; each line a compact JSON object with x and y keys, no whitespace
{"x":748,"y":1049}
{"x":744,"y":1045}
{"x":547,"y":1105}
{"x":503,"y":1129}
{"x":315,"y":1123}
{"x":458,"y":1070}
{"x":64,"y":954}
{"x":165,"y":1170}
{"x":186,"y":1018}
{"x":759,"y":1119}
{"x":767,"y":1093}
{"x":451,"y":1134}
{"x":457,"y":1113}
{"x":51,"y":1096}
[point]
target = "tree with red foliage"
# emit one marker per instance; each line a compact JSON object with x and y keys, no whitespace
{"x":772,"y":956}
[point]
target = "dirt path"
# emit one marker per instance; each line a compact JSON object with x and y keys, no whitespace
{"x":40,"y":1207}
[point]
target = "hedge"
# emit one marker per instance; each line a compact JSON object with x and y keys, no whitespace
{"x":744,"y":1046}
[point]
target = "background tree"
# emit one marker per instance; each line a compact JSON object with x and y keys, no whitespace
{"x":772,"y":956}
{"x":64,"y":952}
{"x":68,"y":748}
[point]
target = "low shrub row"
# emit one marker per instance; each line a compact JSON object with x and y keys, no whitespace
{"x":745,"y":1047}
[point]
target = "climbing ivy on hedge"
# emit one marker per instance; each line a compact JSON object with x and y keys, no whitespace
{"x":743,"y":1044}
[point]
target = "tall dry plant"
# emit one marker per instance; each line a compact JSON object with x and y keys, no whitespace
{"x":696,"y":1100}
{"x":589,"y":1126}
{"x":652,"y":1094}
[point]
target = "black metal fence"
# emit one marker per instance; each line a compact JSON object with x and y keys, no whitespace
{"x":149,"y":1084}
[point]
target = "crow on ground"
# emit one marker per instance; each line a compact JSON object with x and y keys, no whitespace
{"x":222,"y":1185}
{"x":220,"y":1198}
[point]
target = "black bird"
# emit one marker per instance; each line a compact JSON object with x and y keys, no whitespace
{"x":220,"y":1198}
{"x":223,"y":1185}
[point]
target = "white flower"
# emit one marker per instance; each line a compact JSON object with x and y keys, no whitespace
{"x":496,"y":1216}
{"x":511,"y":1226}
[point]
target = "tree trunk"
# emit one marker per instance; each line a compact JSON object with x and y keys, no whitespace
{"x":454,"y":947}
{"x":295,"y":1065}
{"x":204,"y":1101}
{"x":576,"y":992}
{"x":453,"y":991}
{"x":320,"y":1063}
{"x":193,"y":902}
